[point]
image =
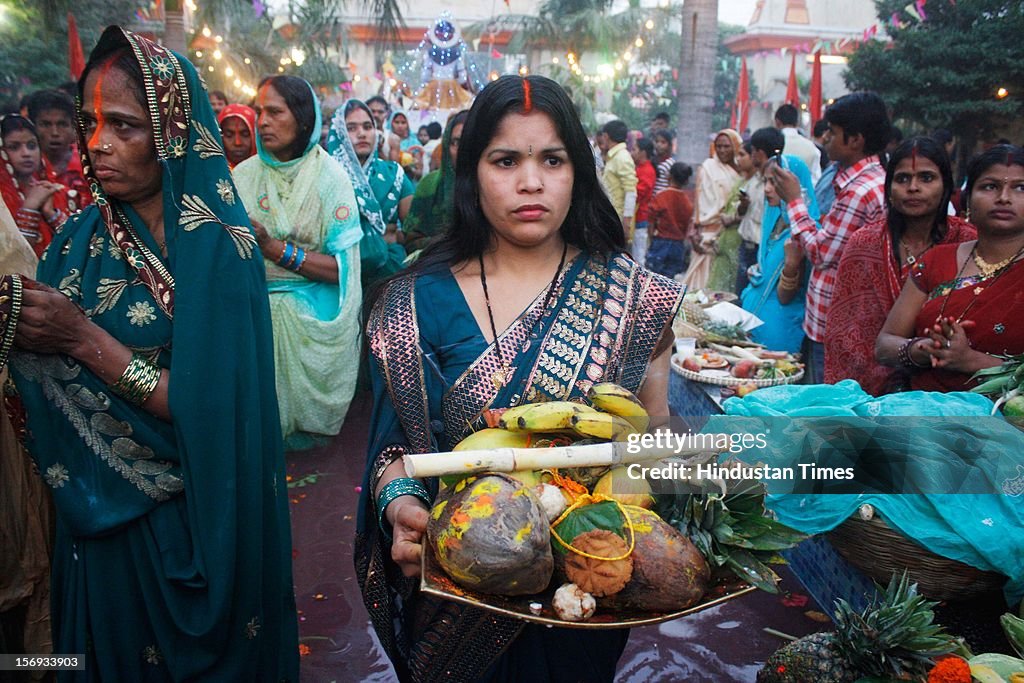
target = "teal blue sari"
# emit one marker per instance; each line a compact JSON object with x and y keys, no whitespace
{"x":783,"y":324}
{"x":173,"y":550}
{"x":380,"y":186}
{"x":433,"y":374}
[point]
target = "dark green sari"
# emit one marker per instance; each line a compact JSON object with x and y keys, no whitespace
{"x":433,"y":374}
{"x":173,"y":557}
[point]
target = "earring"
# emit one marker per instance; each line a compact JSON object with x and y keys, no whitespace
{"x":967,"y":214}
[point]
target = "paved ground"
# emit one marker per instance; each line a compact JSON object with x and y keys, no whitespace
{"x":726,"y":644}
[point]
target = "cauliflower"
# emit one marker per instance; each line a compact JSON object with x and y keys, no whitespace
{"x":551,"y":500}
{"x":571,"y":603}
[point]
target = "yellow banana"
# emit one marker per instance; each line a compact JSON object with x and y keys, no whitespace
{"x":551,"y":416}
{"x":510,"y":418}
{"x":493,"y":438}
{"x":611,"y":398}
{"x":603,"y":426}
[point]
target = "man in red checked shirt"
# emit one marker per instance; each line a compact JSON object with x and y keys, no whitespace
{"x":53,"y":114}
{"x":857,"y":135}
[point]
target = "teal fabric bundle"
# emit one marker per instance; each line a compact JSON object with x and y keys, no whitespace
{"x":949,"y":439}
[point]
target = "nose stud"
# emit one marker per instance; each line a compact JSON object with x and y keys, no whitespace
{"x":106,"y":147}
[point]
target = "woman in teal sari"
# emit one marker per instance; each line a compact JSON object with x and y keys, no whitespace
{"x":383,"y":191}
{"x":398,"y":124}
{"x":529,"y":297}
{"x":783,"y":321}
{"x":303,"y":211}
{"x":145,"y":379}
{"x":433,"y":203}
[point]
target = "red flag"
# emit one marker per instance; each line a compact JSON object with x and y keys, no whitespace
{"x":815,"y":104}
{"x":742,"y":99}
{"x":76,"y":59}
{"x":792,"y":93}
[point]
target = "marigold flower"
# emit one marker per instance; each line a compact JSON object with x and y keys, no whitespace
{"x":950,"y":669}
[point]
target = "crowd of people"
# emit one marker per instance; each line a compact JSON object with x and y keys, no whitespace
{"x":187,"y":284}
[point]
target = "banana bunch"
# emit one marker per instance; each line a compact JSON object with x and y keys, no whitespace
{"x":613,"y":414}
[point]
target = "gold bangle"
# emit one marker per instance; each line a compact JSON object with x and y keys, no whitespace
{"x":138,"y":381}
{"x":789,"y":281}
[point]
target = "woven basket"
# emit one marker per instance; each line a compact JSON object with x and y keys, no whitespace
{"x":677,"y":366}
{"x":878,"y":550}
{"x":718,"y":297}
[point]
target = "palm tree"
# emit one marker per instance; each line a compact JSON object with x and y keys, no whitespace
{"x":696,"y":79}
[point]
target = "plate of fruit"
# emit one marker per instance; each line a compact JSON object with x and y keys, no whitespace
{"x":583,"y":546}
{"x":751,"y":367}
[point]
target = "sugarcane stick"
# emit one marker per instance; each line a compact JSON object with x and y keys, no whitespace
{"x":514,"y":459}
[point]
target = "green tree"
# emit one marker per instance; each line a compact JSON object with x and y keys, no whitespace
{"x":946,"y":71}
{"x":34,"y":39}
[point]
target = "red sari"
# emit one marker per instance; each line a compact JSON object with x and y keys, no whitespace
{"x":996,"y":307}
{"x":867,"y":284}
{"x":32,"y":224}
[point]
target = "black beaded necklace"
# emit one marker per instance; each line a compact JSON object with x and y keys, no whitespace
{"x":544,"y":306}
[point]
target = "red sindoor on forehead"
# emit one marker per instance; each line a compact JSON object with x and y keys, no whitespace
{"x":527,"y":98}
{"x":913,"y":157}
{"x":97,"y":101}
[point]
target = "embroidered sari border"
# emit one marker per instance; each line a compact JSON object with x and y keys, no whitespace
{"x":11,"y":292}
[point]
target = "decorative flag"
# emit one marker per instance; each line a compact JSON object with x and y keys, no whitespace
{"x":792,"y":93}
{"x":815,"y":104}
{"x":258,"y":8}
{"x":742,"y":110}
{"x":76,"y":59}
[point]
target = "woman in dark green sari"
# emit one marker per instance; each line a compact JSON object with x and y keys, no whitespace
{"x":144,"y":371}
{"x":433,"y":203}
{"x":528,"y":297}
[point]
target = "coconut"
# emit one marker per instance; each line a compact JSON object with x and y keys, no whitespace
{"x":490,"y":534}
{"x":669,"y":573}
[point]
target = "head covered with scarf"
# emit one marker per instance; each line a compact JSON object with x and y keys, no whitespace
{"x":33,"y":225}
{"x":434,"y":203}
{"x":207,"y":478}
{"x":245,"y":114}
{"x":339,"y":146}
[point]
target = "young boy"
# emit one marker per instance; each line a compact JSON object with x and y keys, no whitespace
{"x":670,"y":219}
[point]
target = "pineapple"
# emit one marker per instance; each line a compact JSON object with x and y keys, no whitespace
{"x":894,"y":638}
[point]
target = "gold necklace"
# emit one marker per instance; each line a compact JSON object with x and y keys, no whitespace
{"x":997,"y":270}
{"x":987,"y":269}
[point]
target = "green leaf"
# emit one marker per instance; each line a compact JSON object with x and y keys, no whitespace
{"x":746,"y":566}
{"x":1013,"y":627}
{"x":1002,"y":665}
{"x":605,"y":515}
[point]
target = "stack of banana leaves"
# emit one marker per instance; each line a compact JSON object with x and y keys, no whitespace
{"x":732,"y":529}
{"x":1004,"y":384}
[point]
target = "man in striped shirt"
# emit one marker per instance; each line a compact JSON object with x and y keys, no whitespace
{"x":662,"y":157}
{"x":858,"y":133}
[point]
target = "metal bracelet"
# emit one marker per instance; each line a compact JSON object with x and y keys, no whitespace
{"x":907,"y":360}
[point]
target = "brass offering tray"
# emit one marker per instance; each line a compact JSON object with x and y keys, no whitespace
{"x":435,"y":581}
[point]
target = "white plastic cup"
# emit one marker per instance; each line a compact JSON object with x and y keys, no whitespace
{"x":686,"y":346}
